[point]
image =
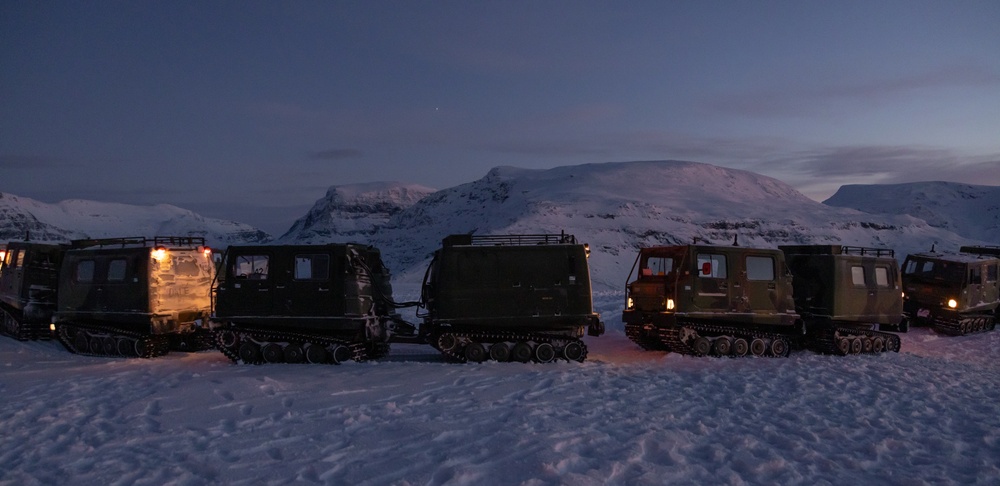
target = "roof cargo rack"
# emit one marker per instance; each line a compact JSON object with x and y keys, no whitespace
{"x":981,"y":250}
{"x":509,"y":240}
{"x":140,"y":241}
{"x":836,"y":250}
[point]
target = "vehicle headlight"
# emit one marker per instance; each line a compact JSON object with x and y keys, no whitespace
{"x":629,"y":304}
{"x":952,"y":303}
{"x":670,"y":304}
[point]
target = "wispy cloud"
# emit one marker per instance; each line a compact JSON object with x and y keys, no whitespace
{"x":798,"y":101}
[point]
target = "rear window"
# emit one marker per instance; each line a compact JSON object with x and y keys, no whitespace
{"x":312,"y":267}
{"x":858,"y":275}
{"x":116,"y":270}
{"x":882,"y":276}
{"x":84,"y":271}
{"x":760,"y":268}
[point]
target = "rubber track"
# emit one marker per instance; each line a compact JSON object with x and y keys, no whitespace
{"x":954,"y":327}
{"x":145,"y":345}
{"x":21,"y":331}
{"x":825,"y":340}
{"x":636,"y":333}
{"x":671,"y":337}
{"x":360,"y":350}
{"x":495,"y":337}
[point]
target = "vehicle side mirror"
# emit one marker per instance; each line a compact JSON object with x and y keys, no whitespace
{"x":706,"y":268}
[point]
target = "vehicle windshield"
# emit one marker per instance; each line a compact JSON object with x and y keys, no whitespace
{"x":935,"y":270}
{"x":659,"y":262}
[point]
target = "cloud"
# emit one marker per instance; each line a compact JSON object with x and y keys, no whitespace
{"x":337,"y":154}
{"x":33,"y":162}
{"x":797,"y":101}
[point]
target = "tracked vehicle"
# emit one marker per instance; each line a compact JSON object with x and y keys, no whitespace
{"x":509,"y":298}
{"x":843,"y":293}
{"x":712,"y":300}
{"x":29,"y":279}
{"x":303,"y":304}
{"x":955,"y":293}
{"x":134,"y":297}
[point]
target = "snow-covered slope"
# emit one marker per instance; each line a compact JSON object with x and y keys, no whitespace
{"x":968,"y":210}
{"x":72,"y":219}
{"x":353,"y":212}
{"x":618,"y":207}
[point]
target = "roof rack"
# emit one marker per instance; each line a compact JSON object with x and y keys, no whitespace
{"x":140,"y":241}
{"x":509,"y":240}
{"x":836,"y":250}
{"x":981,"y":250}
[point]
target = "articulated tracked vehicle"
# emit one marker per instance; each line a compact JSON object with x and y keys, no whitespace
{"x":303,"y":303}
{"x":134,"y":297}
{"x":843,"y":293}
{"x":955,"y":293}
{"x":29,"y":279}
{"x":509,"y":298}
{"x":712,"y":300}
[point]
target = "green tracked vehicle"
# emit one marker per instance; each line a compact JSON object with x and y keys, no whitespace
{"x":955,"y":293}
{"x":134,"y":297}
{"x":322,"y":304}
{"x":843,"y":293}
{"x":29,"y":279}
{"x":509,"y":298}
{"x":712,"y":300}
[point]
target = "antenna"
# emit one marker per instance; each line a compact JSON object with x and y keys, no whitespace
{"x":736,"y":239}
{"x":932,"y":246}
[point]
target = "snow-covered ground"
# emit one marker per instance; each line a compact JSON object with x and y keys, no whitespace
{"x":928,"y":415}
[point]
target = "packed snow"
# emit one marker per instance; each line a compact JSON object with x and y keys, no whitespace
{"x":928,"y":415}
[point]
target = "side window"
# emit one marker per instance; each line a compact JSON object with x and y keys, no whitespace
{"x":991,"y":273}
{"x":312,"y":267}
{"x":976,"y":275}
{"x":760,"y":268}
{"x":911,"y":266}
{"x":882,"y":276}
{"x":251,"y":267}
{"x":658,"y":266}
{"x":858,"y":276}
{"x":116,"y":270}
{"x":85,"y":271}
{"x":9,"y":257}
{"x":711,"y":265}
{"x":20,"y":258}
{"x":927,"y":267}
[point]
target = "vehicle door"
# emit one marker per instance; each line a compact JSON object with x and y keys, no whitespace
{"x":758,"y":285}
{"x":713,"y":292}
{"x":308,"y":290}
{"x":249,"y":287}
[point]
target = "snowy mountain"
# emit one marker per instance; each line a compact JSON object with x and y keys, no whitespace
{"x":619,"y":207}
{"x":74,"y":219}
{"x":353,"y":212}
{"x":968,"y":210}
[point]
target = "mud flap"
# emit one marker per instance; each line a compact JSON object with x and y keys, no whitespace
{"x":596,"y":328}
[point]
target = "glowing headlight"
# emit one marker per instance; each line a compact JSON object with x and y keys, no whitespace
{"x":952,"y":303}
{"x":670,"y":304}
{"x":630,"y":304}
{"x":52,"y":327}
{"x":159,"y":254}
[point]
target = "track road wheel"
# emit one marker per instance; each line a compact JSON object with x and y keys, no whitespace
{"x":249,"y":353}
{"x":878,"y":345}
{"x":316,"y":354}
{"x":110,"y":346}
{"x":272,"y":353}
{"x":97,"y":345}
{"x":545,"y":353}
{"x":341,"y":354}
{"x":868,"y":345}
{"x":702,"y":346}
{"x":475,"y":352}
{"x":573,"y":351}
{"x":740,"y":347}
{"x":779,"y":347}
{"x":500,"y":352}
{"x":294,"y":353}
{"x":447,"y":342}
{"x":722,"y":346}
{"x":228,"y":339}
{"x":843,"y":345}
{"x":126,"y":347}
{"x":758,"y":347}
{"x":892,"y":344}
{"x":521,"y":353}
{"x":856,"y":346}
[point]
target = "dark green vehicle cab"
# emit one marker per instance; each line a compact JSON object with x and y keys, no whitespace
{"x":303,"y":303}
{"x":707,"y":299}
{"x":956,"y":293}
{"x":509,"y":297}
{"x":29,"y":279}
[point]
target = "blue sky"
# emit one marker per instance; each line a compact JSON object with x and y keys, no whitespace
{"x":251,"y":110}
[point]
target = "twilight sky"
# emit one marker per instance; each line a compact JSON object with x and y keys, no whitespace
{"x":250,"y":110}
